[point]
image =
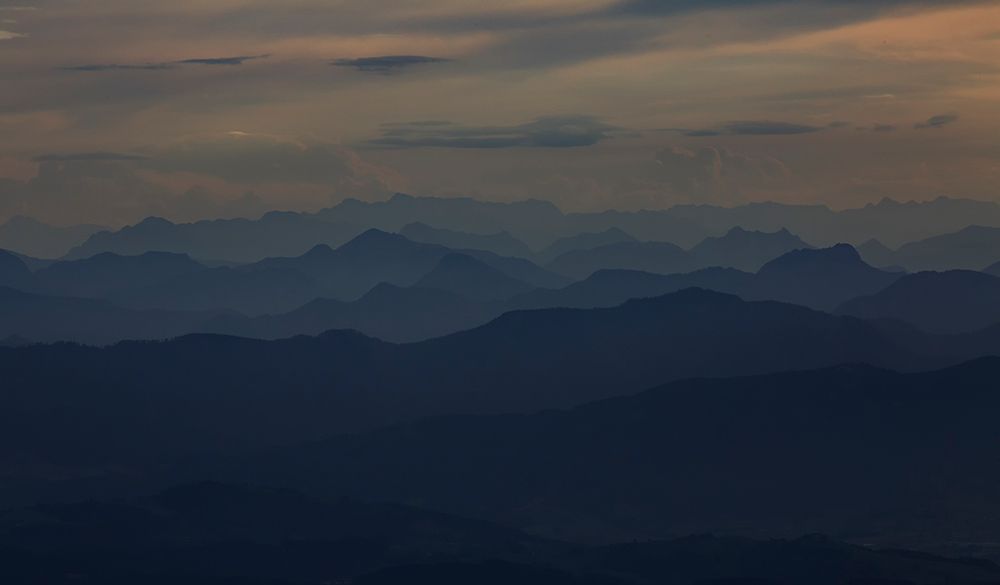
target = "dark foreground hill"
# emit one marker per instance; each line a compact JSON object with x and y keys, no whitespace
{"x":138,"y":401}
{"x":216,"y":533}
{"x":853,"y":451}
{"x":210,"y":533}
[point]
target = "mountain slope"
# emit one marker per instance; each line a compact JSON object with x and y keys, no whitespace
{"x":105,"y":274}
{"x":41,"y":318}
{"x":193,"y":533}
{"x":465,"y":276}
{"x":500,"y":243}
{"x":14,"y":272}
{"x":970,"y":249}
{"x":822,"y":279}
{"x":765,"y":455}
{"x":236,"y":240}
{"x":941,"y":302}
{"x":584,"y":241}
{"x":386,"y":312}
{"x":28,"y":236}
{"x":303,"y":388}
{"x":656,"y":257}
{"x":745,"y":250}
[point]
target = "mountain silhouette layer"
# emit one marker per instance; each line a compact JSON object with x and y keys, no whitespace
{"x":852,"y":450}
{"x":945,"y":302}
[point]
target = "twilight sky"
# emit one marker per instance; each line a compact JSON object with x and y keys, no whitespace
{"x":112,"y":110}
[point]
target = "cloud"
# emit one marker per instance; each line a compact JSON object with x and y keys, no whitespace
{"x":545,"y":132}
{"x":754,"y":128}
{"x":255,"y":159}
{"x":164,"y":65}
{"x":937,"y":121}
{"x":6,"y":35}
{"x":878,"y":128}
{"x":387,"y":63}
{"x":217,"y":175}
{"x":88,"y":156}
{"x":717,"y":174}
{"x":222,"y":60}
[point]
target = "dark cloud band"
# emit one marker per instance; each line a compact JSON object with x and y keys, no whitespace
{"x":387,"y":63}
{"x":545,"y":132}
{"x":165,"y":65}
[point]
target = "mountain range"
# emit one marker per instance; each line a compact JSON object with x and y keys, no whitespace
{"x":537,"y":224}
{"x":215,"y":533}
{"x":943,"y":302}
{"x":102,"y":405}
{"x":34,"y":238}
{"x":852,"y":451}
{"x":970,"y":248}
{"x":436,"y":291}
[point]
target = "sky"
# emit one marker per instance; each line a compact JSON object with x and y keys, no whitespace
{"x":113,"y":110}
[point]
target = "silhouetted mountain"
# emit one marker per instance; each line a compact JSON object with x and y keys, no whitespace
{"x":500,"y":243}
{"x":539,"y":223}
{"x":703,"y":560}
{"x":484,"y":573}
{"x":609,"y":288}
{"x":217,"y":533}
{"x":14,"y":272}
{"x":739,"y":249}
{"x":942,"y":302}
{"x":656,"y":257}
{"x":971,"y":249}
{"x":256,"y":291}
{"x":808,"y":560}
{"x":745,"y":250}
{"x":211,"y":530}
{"x":468,"y":277}
{"x":304,"y":388}
{"x":106,"y":274}
{"x":822,"y":279}
{"x":375,"y":257}
{"x":41,"y":318}
{"x":34,"y":238}
{"x":369,"y":259}
{"x":993,"y":269}
{"x":239,"y":240}
{"x":584,"y":241}
{"x":529,"y":221}
{"x":852,"y":451}
{"x":536,"y":223}
{"x":387,"y":312}
{"x":876,"y":253}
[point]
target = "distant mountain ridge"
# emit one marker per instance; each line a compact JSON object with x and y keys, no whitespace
{"x":33,"y":238}
{"x":500,"y":243}
{"x":539,"y":224}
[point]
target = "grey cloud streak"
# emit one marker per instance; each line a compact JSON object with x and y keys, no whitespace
{"x":544,"y":132}
{"x":165,"y":65}
{"x":387,"y":63}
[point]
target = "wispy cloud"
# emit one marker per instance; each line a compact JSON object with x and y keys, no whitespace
{"x":753,"y":128}
{"x":387,"y":63}
{"x":936,"y":121}
{"x":545,"y":132}
{"x":164,"y":65}
{"x":88,"y":157}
